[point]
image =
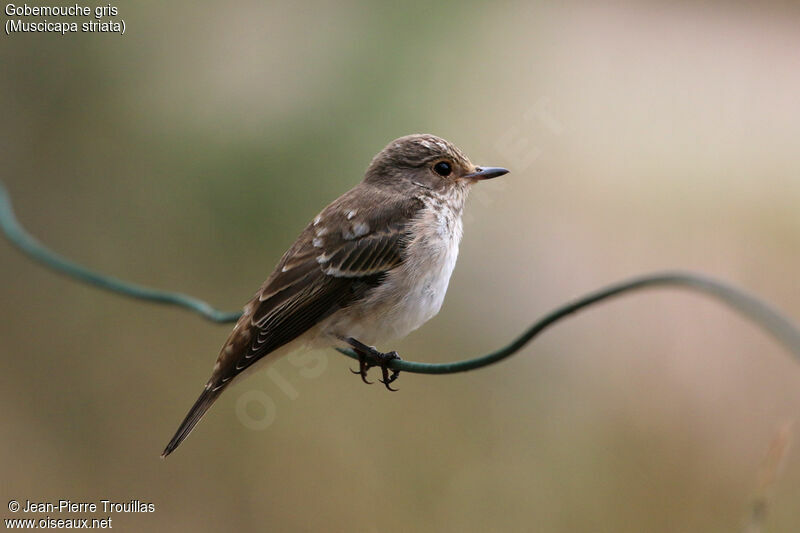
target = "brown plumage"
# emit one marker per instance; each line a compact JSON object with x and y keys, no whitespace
{"x":338,"y":271}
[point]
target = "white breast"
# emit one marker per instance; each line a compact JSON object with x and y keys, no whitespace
{"x":418,"y":287}
{"x":413,"y":292}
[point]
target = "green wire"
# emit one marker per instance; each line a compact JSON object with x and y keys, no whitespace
{"x":759,"y":312}
{"x":772,"y":321}
{"x":29,"y":245}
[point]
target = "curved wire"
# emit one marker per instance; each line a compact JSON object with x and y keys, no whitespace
{"x":759,"y":312}
{"x":36,"y":250}
{"x":772,"y":321}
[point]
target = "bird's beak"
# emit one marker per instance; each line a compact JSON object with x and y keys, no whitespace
{"x":486,"y":173}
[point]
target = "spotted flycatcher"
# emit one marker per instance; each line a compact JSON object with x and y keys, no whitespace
{"x":372,"y":266}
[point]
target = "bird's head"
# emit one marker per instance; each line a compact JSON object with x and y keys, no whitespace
{"x":424,"y":160}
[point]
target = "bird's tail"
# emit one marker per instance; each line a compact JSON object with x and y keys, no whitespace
{"x":197,"y":411}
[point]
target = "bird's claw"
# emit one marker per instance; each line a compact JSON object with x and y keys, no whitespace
{"x":387,"y":379}
{"x":369,"y":357}
{"x":363,"y":367}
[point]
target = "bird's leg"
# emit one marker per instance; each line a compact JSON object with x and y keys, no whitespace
{"x":363,"y":367}
{"x":368,"y":357}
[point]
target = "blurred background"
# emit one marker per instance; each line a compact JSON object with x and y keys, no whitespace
{"x":188,"y":153}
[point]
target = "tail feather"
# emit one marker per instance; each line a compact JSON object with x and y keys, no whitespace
{"x":197,"y":411}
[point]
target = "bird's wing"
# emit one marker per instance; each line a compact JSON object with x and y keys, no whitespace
{"x":343,"y":253}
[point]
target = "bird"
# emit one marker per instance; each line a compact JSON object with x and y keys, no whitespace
{"x":372,"y":266}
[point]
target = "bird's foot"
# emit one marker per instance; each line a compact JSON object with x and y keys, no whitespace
{"x":369,"y":357}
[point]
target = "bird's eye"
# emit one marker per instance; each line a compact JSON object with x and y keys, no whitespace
{"x":442,"y":168}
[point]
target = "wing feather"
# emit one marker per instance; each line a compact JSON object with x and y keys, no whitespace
{"x":334,"y":262}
